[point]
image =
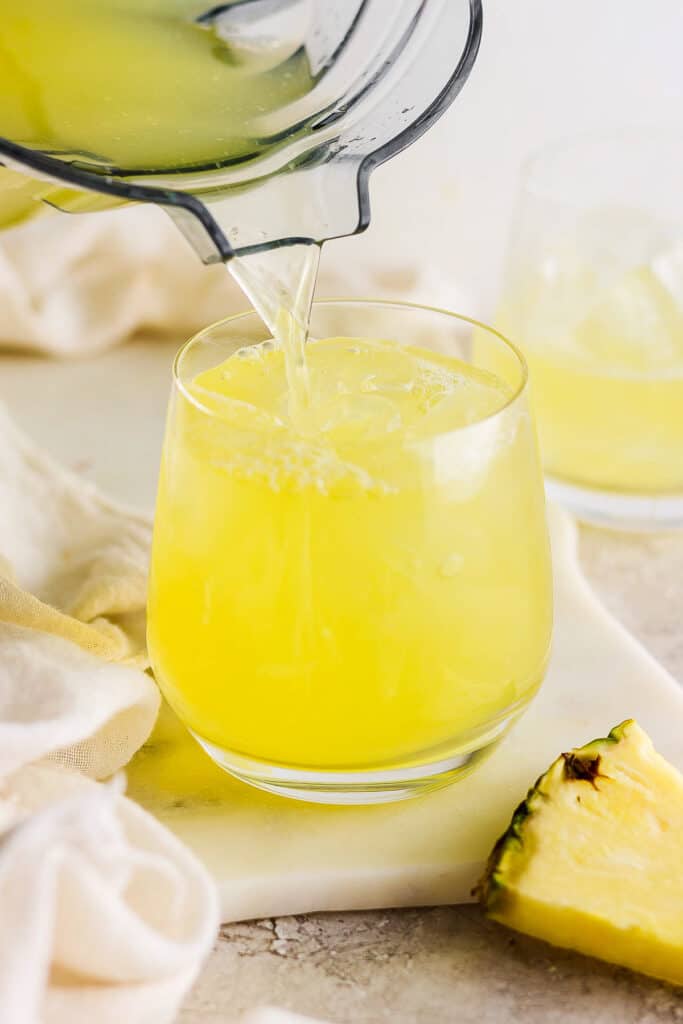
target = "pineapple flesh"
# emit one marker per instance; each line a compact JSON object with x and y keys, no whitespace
{"x":593,"y":858}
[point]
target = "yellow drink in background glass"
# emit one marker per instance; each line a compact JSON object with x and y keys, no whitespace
{"x":608,"y":391}
{"x":363,"y":591}
{"x":594,"y":296}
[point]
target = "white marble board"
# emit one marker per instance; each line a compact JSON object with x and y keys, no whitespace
{"x":273,"y":857}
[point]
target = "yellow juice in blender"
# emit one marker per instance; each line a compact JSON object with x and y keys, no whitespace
{"x":358,"y":586}
{"x":607,"y":383}
{"x":130,"y":84}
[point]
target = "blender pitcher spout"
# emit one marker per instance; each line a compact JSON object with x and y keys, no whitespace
{"x":366,"y":86}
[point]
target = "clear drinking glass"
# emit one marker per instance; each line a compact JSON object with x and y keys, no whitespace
{"x":594,"y":295}
{"x":358,"y":616}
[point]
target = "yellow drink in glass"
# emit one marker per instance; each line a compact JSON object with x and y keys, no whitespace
{"x":594,"y":296}
{"x":611,"y":411}
{"x":353,"y":606}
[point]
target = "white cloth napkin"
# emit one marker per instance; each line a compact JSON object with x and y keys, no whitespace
{"x":80,"y":283}
{"x":273,"y":1015}
{"x":77,"y":283}
{"x":72,"y":600}
{"x":103,"y":914}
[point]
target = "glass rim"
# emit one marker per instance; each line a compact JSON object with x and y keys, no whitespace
{"x":592,"y":139}
{"x":399,"y":304}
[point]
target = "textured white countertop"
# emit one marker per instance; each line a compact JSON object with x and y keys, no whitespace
{"x":105,"y":417}
{"x":545,"y":71}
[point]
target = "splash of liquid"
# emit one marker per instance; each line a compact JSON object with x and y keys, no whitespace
{"x":280,"y":284}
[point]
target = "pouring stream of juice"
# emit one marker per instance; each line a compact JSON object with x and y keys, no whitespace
{"x":280,"y":284}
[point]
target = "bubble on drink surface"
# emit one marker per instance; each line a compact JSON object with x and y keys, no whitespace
{"x":381,"y":364}
{"x":369,"y":384}
{"x":300,"y":466}
{"x":451,"y":565}
{"x":252,"y":353}
{"x":394,"y":385}
{"x":248,"y":352}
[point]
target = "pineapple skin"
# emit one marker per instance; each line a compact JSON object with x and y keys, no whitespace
{"x":564,"y":910}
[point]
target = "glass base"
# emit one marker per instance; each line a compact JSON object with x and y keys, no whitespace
{"x":361,"y":786}
{"x":644,"y":513}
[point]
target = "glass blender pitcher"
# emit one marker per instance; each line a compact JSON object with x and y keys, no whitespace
{"x":253,"y":123}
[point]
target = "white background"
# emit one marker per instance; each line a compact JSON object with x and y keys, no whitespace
{"x":547,"y":69}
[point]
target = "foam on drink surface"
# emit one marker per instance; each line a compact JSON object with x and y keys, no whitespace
{"x":366,"y":397}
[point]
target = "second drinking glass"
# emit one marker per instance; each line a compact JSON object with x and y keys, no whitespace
{"x":594,"y":294}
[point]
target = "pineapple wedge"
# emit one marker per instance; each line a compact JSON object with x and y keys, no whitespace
{"x":593,"y":858}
